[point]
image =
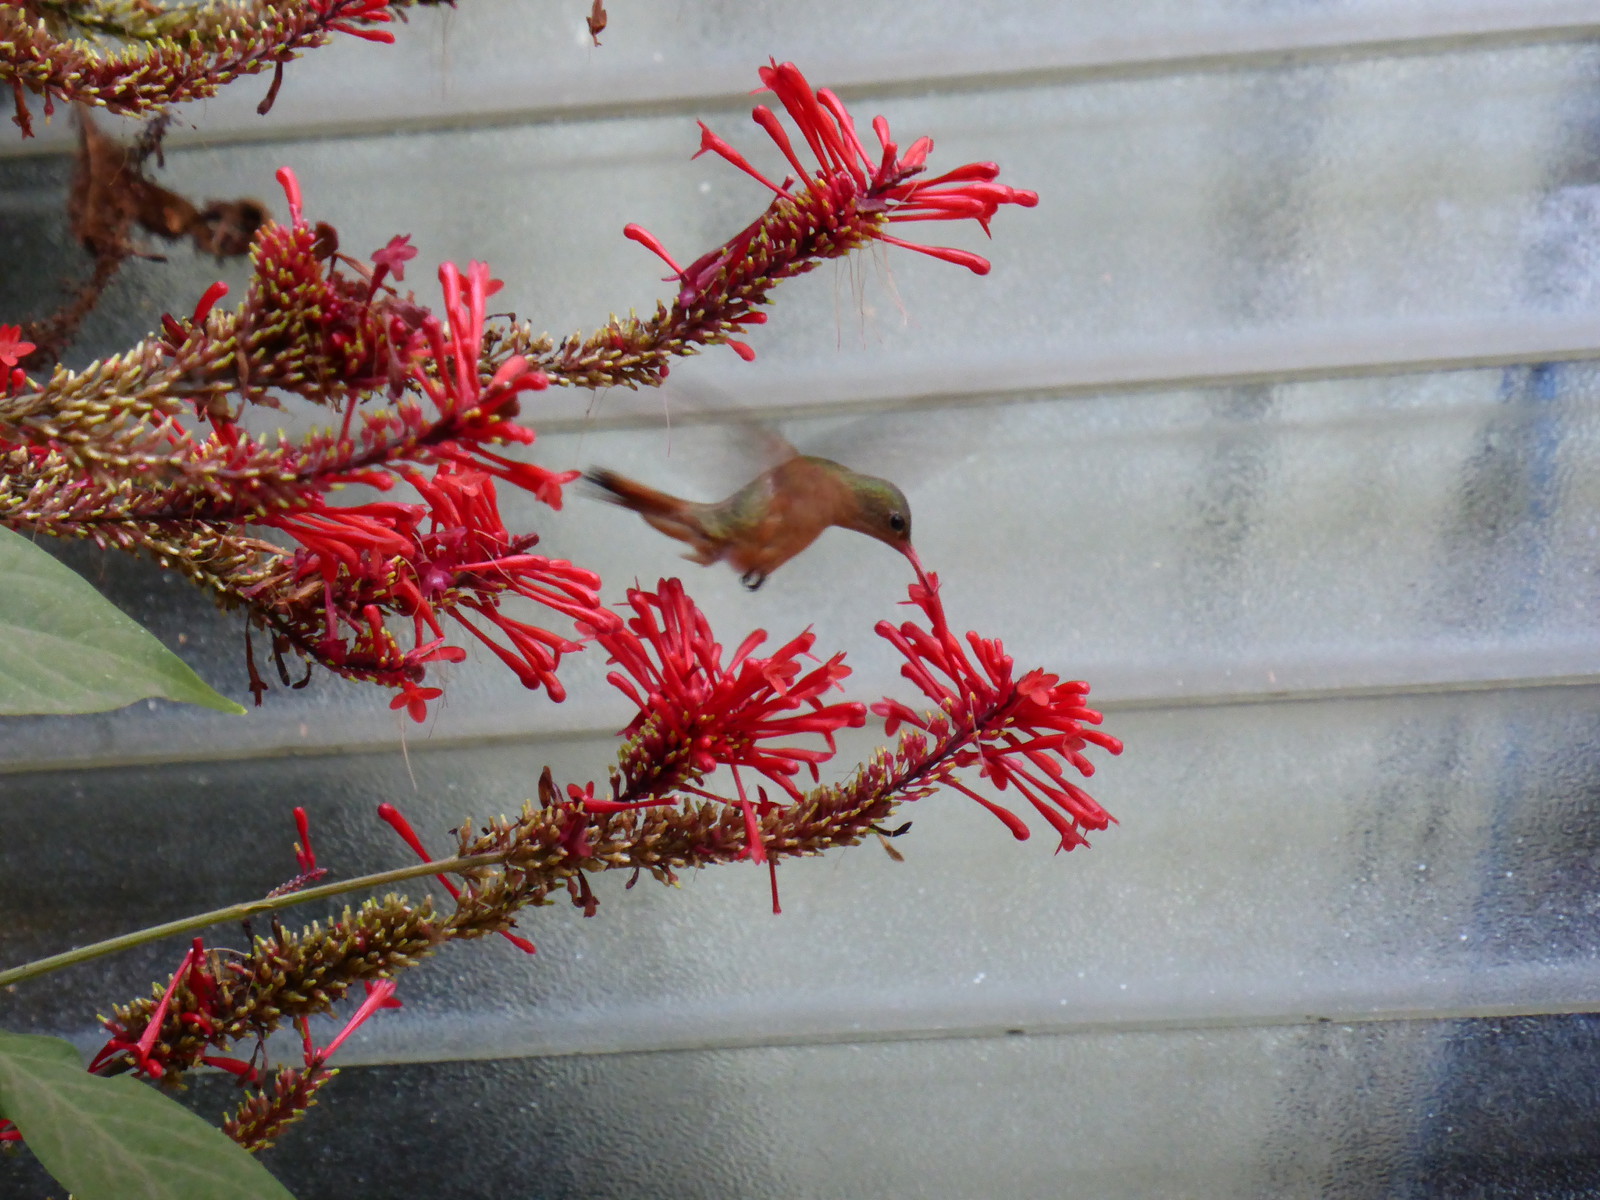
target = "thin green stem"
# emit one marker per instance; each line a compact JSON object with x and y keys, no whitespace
{"x":239,"y":912}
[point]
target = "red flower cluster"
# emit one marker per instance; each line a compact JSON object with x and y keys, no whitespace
{"x":850,"y":175}
{"x":340,"y":335}
{"x":848,"y":201}
{"x":207,"y":1004}
{"x":262,"y":1115}
{"x":335,"y":338}
{"x":698,"y":713}
{"x":1021,"y":733}
{"x":195,"y":1006}
{"x":451,"y":555}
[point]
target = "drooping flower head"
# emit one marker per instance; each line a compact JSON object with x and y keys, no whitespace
{"x":450,"y":557}
{"x":849,"y":199}
{"x":1020,"y":733}
{"x":889,"y":184}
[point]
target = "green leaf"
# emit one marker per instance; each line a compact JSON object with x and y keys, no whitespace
{"x":65,"y":648}
{"x":117,"y":1138}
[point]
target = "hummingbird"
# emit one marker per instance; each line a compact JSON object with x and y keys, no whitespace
{"x":773,"y":517}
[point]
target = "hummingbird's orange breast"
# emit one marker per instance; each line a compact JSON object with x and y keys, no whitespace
{"x":792,"y":504}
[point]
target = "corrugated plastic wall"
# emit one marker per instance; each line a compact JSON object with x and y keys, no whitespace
{"x":1278,"y":420}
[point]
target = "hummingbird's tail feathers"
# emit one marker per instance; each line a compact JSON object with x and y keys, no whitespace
{"x":619,"y":489}
{"x":674,"y":517}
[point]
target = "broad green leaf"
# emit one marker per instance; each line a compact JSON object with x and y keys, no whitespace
{"x":117,"y":1138}
{"x":65,"y":648}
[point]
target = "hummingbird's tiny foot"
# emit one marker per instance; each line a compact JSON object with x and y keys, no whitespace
{"x":753,"y":578}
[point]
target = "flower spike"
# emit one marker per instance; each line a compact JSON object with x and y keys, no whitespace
{"x":847,"y":201}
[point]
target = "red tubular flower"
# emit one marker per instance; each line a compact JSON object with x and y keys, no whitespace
{"x":290,"y":184}
{"x":1021,"y":733}
{"x":355,"y":17}
{"x":701,"y":713}
{"x":304,"y":856}
{"x":380,"y":995}
{"x":208,"y":301}
{"x":586,"y":800}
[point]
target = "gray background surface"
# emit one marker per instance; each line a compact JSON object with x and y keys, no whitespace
{"x":1277,"y":420}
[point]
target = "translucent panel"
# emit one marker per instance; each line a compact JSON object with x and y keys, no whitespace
{"x":1337,"y":858}
{"x":499,"y":57}
{"x":1337,"y":1112}
{"x":1188,"y":227}
{"x":1355,"y":534}
{"x":1258,"y":223}
{"x":1257,"y":425}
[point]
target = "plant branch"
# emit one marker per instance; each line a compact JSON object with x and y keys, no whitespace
{"x":239,"y":912}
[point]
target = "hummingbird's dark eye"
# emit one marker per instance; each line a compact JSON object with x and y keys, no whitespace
{"x":897,"y":522}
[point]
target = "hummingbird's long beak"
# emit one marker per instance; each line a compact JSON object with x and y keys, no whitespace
{"x":910,"y":552}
